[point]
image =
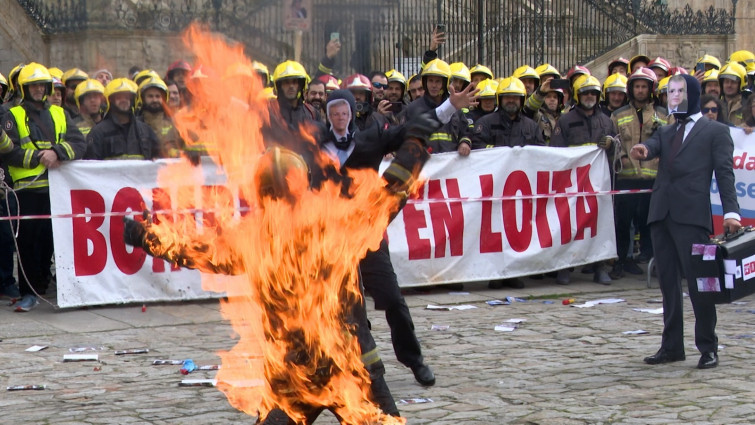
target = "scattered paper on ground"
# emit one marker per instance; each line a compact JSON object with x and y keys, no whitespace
{"x":36,"y":348}
{"x":415,"y":400}
{"x":450,"y":307}
{"x":458,"y":293}
{"x":637,"y":332}
{"x":601,"y":301}
{"x":504,"y":328}
{"x":650,"y":310}
{"x":440,"y":328}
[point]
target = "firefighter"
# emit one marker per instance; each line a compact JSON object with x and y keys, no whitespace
{"x":71,"y":79}
{"x":153,"y":96}
{"x":362,"y":89}
{"x":290,"y":82}
{"x":584,"y":125}
{"x":635,"y":123}
{"x":660,"y":67}
{"x":637,"y":62}
{"x":479,"y":73}
{"x":733,"y":78}
{"x":614,"y":93}
{"x":547,"y":116}
{"x":463,"y":121}
{"x":529,"y":77}
{"x":618,"y":66}
{"x":41,"y":137}
{"x":90,"y":96}
{"x":710,"y":84}
{"x":120,"y":135}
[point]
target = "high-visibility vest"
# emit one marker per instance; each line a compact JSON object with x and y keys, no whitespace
{"x":30,"y":147}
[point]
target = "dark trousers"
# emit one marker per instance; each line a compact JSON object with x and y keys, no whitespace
{"x":628,"y":208}
{"x":381,"y":283}
{"x":35,"y":245}
{"x":673,"y":247}
{"x":7,"y":245}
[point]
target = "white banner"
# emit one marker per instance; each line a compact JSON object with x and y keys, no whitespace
{"x":462,"y":239}
{"x":467,"y":239}
{"x":744,"y":178}
{"x":93,"y":265}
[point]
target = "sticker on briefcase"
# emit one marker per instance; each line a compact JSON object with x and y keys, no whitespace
{"x":708,"y":284}
{"x":748,"y":267}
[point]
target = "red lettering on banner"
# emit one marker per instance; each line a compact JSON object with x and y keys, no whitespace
{"x":541,"y":212}
{"x":85,"y":230}
{"x":749,"y":268}
{"x":129,"y":263}
{"x":490,"y":241}
{"x":587,"y":206}
{"x":517,"y":183}
{"x":447,"y":218}
{"x":414,"y":220}
{"x":561,"y":182}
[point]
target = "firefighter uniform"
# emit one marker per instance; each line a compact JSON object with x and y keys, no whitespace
{"x":33,"y":127}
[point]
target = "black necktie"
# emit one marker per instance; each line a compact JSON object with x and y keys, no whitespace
{"x":342,"y":143}
{"x":676,"y":143}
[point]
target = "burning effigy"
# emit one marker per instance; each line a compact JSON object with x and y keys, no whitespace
{"x":303,"y":343}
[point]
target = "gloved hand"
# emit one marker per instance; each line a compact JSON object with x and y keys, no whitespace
{"x":135,"y":232}
{"x":405,"y":167}
{"x":194,"y":156}
{"x":421,"y":127}
{"x":605,"y":142}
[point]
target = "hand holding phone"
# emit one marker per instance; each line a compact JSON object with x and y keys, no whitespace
{"x":559,"y":83}
{"x":334,"y":36}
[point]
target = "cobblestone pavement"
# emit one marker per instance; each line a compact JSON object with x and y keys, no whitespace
{"x":564,"y":365}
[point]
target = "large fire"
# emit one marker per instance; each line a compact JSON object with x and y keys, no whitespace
{"x":299,"y":254}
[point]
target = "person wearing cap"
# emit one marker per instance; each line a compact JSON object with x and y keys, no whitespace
{"x":90,"y":96}
{"x":103,"y":76}
{"x":40,"y":137}
{"x":585,"y":125}
{"x":690,"y":152}
{"x":635,"y":123}
{"x":733,"y":79}
{"x":120,"y":135}
{"x":153,"y":96}
{"x":71,"y":79}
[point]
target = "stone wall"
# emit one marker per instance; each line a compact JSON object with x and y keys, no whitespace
{"x":20,"y":40}
{"x":679,"y":50}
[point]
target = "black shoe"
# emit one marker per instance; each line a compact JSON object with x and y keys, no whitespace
{"x":495,"y":284}
{"x":708,"y":360}
{"x":643,"y":258}
{"x":632,"y":267}
{"x":617,"y":272}
{"x":424,"y":375}
{"x":514,"y":282}
{"x":663,"y":356}
{"x":562,"y":278}
{"x":453,"y":286}
{"x":590,"y":268}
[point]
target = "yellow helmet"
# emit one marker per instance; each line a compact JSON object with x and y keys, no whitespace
{"x":744,"y":57}
{"x":88,"y":86}
{"x":614,"y":82}
{"x":733,"y":71}
{"x":460,"y":71}
{"x":547,"y":69}
{"x":13,"y":76}
{"x":511,"y":86}
{"x":262,"y":71}
{"x":74,"y":74}
{"x":710,"y":60}
{"x":34,"y":73}
{"x":709,"y":76}
{"x":290,"y":70}
{"x":526,"y":71}
{"x":145,"y":74}
{"x":56,"y":72}
{"x":269,"y":93}
{"x":155,"y":82}
{"x":481,"y":69}
{"x":584,"y":84}
{"x":396,"y":77}
{"x":4,"y":84}
{"x":120,"y":85}
{"x":663,"y":85}
{"x":437,"y":68}
{"x":487,"y":88}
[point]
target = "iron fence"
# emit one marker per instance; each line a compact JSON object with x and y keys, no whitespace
{"x":383,"y":34}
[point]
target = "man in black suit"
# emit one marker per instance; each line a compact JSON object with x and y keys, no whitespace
{"x":354,"y":149}
{"x":680,"y":216}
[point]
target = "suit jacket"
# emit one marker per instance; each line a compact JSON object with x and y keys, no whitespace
{"x":682,"y":187}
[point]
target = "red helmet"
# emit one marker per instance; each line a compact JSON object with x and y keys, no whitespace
{"x":331,"y":83}
{"x":642,"y":74}
{"x":179,"y":64}
{"x":661,"y":63}
{"x":618,"y":61}
{"x":357,"y":82}
{"x":576,"y":71}
{"x":677,"y":70}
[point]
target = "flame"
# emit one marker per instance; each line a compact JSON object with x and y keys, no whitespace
{"x":298,"y":256}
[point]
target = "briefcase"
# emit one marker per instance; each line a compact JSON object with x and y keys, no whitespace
{"x":724,"y":268}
